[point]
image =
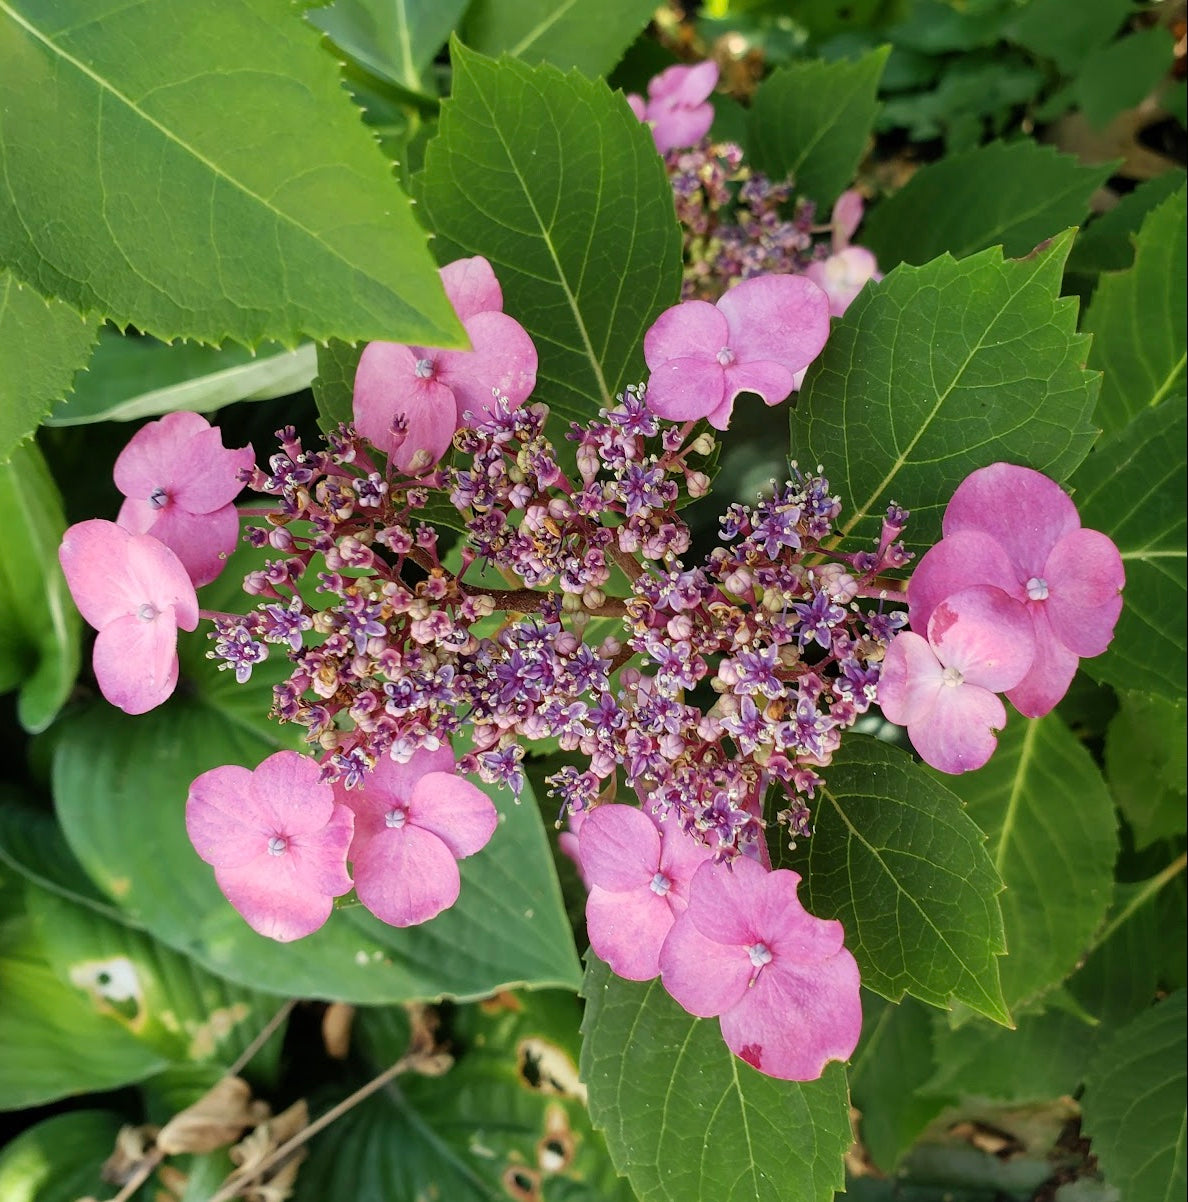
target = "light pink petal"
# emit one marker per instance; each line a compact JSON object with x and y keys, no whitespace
{"x":778,"y":318}
{"x":274,"y":897}
{"x":911,"y":679}
{"x":960,"y":561}
{"x":846,"y":217}
{"x":721,"y":898}
{"x":1085,"y":577}
{"x":287,"y":791}
{"x":136,"y":662}
{"x":704,"y":976}
{"x":224,"y":819}
{"x":675,"y":126}
{"x":155,"y":456}
{"x":322,"y":854}
{"x":390,"y":784}
{"x":959,"y":734}
{"x":772,"y":381}
{"x":627,"y":929}
{"x":207,"y":478}
{"x":684,"y":84}
{"x":636,"y":103}
{"x":202,"y":541}
{"x":1051,"y":671}
{"x":796,"y":1018}
{"x":785,"y":926}
{"x":687,"y":389}
{"x":462,"y":816}
{"x":681,"y":856}
{"x":1023,"y":509}
{"x":503,"y":358}
{"x":472,"y":287}
{"x":619,"y":848}
{"x":843,"y":275}
{"x":405,"y":875}
{"x":691,"y":330}
{"x":986,"y":635}
{"x":385,"y":381}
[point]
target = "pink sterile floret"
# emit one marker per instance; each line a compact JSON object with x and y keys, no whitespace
{"x":1016,"y":529}
{"x":276,"y":839}
{"x":431,"y":391}
{"x":677,"y":107}
{"x":413,"y":822}
{"x":980,"y":643}
{"x":136,"y":593}
{"x":755,"y":339}
{"x":784,"y":988}
{"x":638,"y":871}
{"x":180,"y":482}
{"x":843,"y":274}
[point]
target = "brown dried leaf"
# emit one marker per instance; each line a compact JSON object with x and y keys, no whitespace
{"x":336,"y":1029}
{"x":218,"y":1118}
{"x":133,"y":1147}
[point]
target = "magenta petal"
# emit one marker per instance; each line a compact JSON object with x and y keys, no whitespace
{"x":959,"y":561}
{"x":674,"y":126}
{"x":681,"y":856}
{"x":619,"y":848}
{"x":472,"y":287}
{"x":627,"y":929}
{"x":155,"y":456}
{"x":503,"y":359}
{"x":462,"y":816}
{"x":224,"y":819}
{"x":202,"y":541}
{"x":911,"y":679}
{"x":684,"y":84}
{"x":394,"y":782}
{"x":136,"y":661}
{"x":791,"y":932}
{"x":687,"y":389}
{"x":777,"y":318}
{"x":384,"y":379}
{"x":720,"y":897}
{"x":637,"y":105}
{"x":288,"y":793}
{"x":274,"y":897}
{"x":959,"y":734}
{"x":692,"y":330}
{"x":1085,"y":576}
{"x":846,"y":217}
{"x":1051,"y":671}
{"x":986,"y":635}
{"x":772,"y":381}
{"x":704,"y":976}
{"x":323,"y":853}
{"x":208,"y":477}
{"x":405,"y":875}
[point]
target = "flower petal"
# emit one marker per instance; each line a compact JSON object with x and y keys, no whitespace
{"x":461,"y":815}
{"x":208,"y":477}
{"x":619,"y":848}
{"x":777,"y":318}
{"x":503,"y":359}
{"x":472,"y":287}
{"x":627,"y":930}
{"x":1051,"y":671}
{"x":1085,"y":578}
{"x":771,"y":381}
{"x":223,"y":818}
{"x":959,"y":734}
{"x":986,"y":635}
{"x":692,"y":330}
{"x":273,"y":896}
{"x":703,"y":976}
{"x":959,"y":561}
{"x":155,"y":456}
{"x":405,"y":875}
{"x":720,"y":897}
{"x":202,"y":541}
{"x":910,"y":681}
{"x":136,"y":661}
{"x":687,"y":389}
{"x":287,"y":792}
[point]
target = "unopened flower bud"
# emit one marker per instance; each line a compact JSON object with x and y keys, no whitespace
{"x":697,"y":483}
{"x":594,"y":598}
{"x":703,"y":444}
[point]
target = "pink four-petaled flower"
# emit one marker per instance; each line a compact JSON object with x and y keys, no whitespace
{"x":677,"y":107}
{"x":849,"y":268}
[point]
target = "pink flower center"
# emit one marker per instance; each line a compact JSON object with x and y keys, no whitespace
{"x":660,"y":884}
{"x":1037,"y":589}
{"x":423,"y":369}
{"x":760,"y":954}
{"x":396,"y":817}
{"x":158,"y":498}
{"x":278,"y":845}
{"x":952,"y":677}
{"x":725,"y":356}
{"x":147,"y":612}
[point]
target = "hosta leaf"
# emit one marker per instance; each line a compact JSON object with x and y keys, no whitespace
{"x":1008,"y":194}
{"x":1145,"y":764}
{"x":1138,"y":319}
{"x":813,"y":120}
{"x":214,"y":179}
{"x":1052,"y":835}
{"x":897,"y":860}
{"x":43,"y":345}
{"x":1134,"y":488}
{"x":552,"y":178}
{"x":566,"y":33}
{"x":1133,"y":1106}
{"x":942,"y":369}
{"x":59,"y":1159}
{"x":131,"y":377}
{"x":39,"y":626}
{"x":721,"y":1131}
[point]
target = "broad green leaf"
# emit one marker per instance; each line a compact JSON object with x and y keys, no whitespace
{"x":687,"y":1121}
{"x":1138,"y":319}
{"x":892,"y":1060}
{"x":509,"y":1113}
{"x":334,"y":385}
{"x":1107,"y":242}
{"x":214,"y":180}
{"x":43,"y":345}
{"x":39,"y":625}
{"x":395,"y":39}
{"x":1120,"y":75}
{"x":1008,"y":194}
{"x":1052,"y":835}
{"x":552,"y":178}
{"x":1043,"y":27}
{"x":812,"y":120}
{"x":897,"y":860}
{"x":59,"y":1159}
{"x":940,"y":370}
{"x":566,"y":33}
{"x":1146,"y":764}
{"x":1135,"y":488}
{"x":1133,"y":1107}
{"x":131,"y":377}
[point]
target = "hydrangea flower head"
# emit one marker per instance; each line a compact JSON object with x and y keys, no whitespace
{"x":781,"y":984}
{"x":980,"y":643}
{"x":431,"y":390}
{"x":677,"y":107}
{"x":1016,"y":529}
{"x":638,"y":871}
{"x":413,"y":822}
{"x":757,"y":338}
{"x":179,"y":482}
{"x":134,"y":590}
{"x":276,"y":839}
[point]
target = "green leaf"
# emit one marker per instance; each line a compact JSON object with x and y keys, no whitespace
{"x":40,"y":627}
{"x":721,"y":1131}
{"x":131,"y":377}
{"x":43,"y":344}
{"x":1008,"y":194}
{"x":1133,"y":1108}
{"x":59,"y":1159}
{"x":552,"y":178}
{"x":1146,"y":764}
{"x":216,"y":181}
{"x":1042,"y":26}
{"x":1120,"y":75}
{"x":897,"y":860}
{"x":1138,"y":320}
{"x":1107,"y":242}
{"x":565,"y":33}
{"x":892,"y":1060}
{"x":812,"y":120}
{"x":1052,"y":834}
{"x":942,"y":369}
{"x":334,"y":385}
{"x":1135,"y":487}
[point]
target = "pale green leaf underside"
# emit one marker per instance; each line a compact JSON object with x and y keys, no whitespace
{"x":214,"y":180}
